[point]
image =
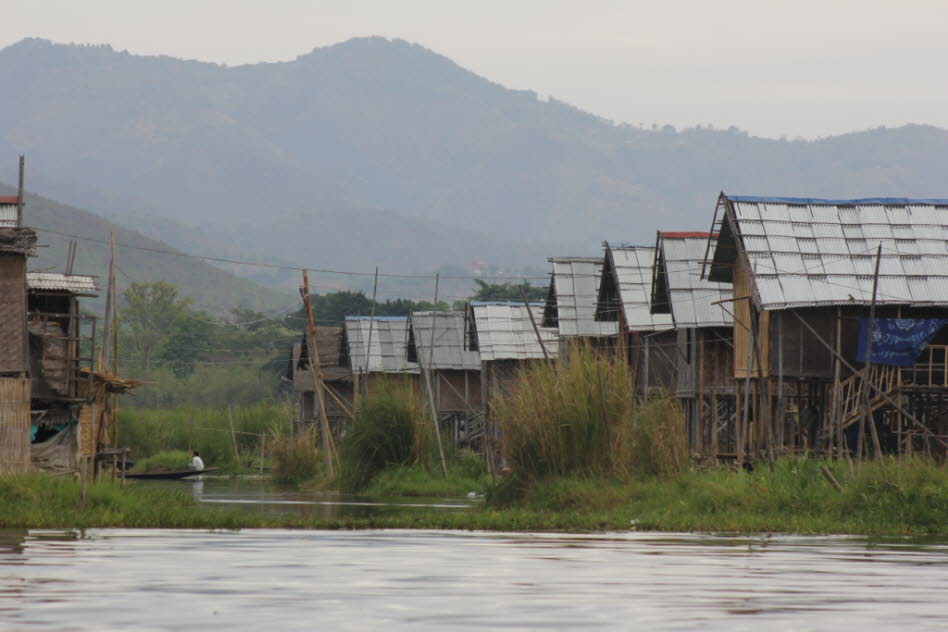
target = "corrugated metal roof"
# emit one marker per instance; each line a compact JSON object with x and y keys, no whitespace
{"x":809,"y":252}
{"x":54,"y":281}
{"x":574,"y":290}
{"x":387,"y":353}
{"x":631,"y":285}
{"x":447,"y":349}
{"x":503,"y":331}
{"x":678,"y":287}
{"x":7,"y":214}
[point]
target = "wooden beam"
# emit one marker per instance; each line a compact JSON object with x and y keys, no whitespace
{"x":317,"y":376}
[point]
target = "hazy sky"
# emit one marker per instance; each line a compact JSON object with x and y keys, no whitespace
{"x":797,"y":68}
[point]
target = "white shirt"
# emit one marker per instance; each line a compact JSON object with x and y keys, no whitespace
{"x":197,"y":463}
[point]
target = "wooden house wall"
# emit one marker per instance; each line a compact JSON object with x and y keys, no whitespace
{"x":457,"y":391}
{"x":794,"y":352}
{"x":653,"y":358}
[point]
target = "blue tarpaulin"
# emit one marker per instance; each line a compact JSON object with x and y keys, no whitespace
{"x":897,"y":341}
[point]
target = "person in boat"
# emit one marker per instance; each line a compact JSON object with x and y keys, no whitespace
{"x":196,"y":462}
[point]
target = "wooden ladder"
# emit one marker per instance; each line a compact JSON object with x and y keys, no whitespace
{"x":883,"y":377}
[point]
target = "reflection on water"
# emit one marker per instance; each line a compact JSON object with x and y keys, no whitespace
{"x":408,"y":580}
{"x":258,"y":495}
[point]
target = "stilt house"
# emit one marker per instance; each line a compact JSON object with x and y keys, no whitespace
{"x":335,"y":375}
{"x":703,"y":326}
{"x":802,"y":273}
{"x":507,"y":339}
{"x":647,"y":341}
{"x":16,"y":244}
{"x":436,"y":344}
{"x":71,"y":407}
{"x":571,"y":304}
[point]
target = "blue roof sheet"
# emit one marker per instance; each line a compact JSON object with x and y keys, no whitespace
{"x":378,"y":318}
{"x":855,"y":201}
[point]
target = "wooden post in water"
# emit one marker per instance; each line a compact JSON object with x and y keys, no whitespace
{"x":315,"y":371}
{"x":233,"y":433}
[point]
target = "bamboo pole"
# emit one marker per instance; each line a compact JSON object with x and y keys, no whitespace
{"x":233,"y":435}
{"x":317,"y":377}
{"x":426,"y":367}
{"x":866,"y":417}
{"x":536,"y":330}
{"x":368,"y":344}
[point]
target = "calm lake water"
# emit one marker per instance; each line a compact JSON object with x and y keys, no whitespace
{"x":121,"y":579}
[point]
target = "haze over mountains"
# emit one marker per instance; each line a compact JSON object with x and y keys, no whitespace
{"x":382,"y":152}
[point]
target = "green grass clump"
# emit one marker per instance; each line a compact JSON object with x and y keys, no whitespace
{"x":389,"y":428}
{"x":466,"y":473}
{"x":295,"y":458}
{"x":569,"y":418}
{"x":166,"y":460}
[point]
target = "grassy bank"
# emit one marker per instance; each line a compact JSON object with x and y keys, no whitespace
{"x":907,"y":497}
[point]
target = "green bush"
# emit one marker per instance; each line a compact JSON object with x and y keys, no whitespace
{"x":389,"y":427}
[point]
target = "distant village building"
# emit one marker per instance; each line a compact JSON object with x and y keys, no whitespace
{"x":436,"y":344}
{"x":801,"y":272}
{"x":571,"y":303}
{"x":56,"y":405}
{"x":504,"y":336}
{"x":647,"y":341}
{"x":334,"y":373}
{"x":374,"y":347}
{"x":699,"y":310}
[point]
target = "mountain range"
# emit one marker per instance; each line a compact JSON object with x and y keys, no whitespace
{"x":382,"y":152}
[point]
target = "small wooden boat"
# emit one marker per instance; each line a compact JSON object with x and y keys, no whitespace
{"x":172,"y":474}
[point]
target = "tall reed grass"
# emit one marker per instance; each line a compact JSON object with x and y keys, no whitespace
{"x":573,"y":417}
{"x":295,"y":458}
{"x":149,"y":431}
{"x":389,"y":427}
{"x":658,"y":437}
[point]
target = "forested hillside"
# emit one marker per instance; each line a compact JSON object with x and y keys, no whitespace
{"x":375,"y":151}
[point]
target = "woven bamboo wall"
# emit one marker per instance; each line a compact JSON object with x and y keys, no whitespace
{"x":14,"y":424}
{"x":13,"y":357}
{"x":87,"y":427}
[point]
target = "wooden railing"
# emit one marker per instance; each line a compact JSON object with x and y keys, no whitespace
{"x":930,"y":370}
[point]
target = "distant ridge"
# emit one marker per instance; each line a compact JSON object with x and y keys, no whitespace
{"x":209,"y":287}
{"x":377,"y":151}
